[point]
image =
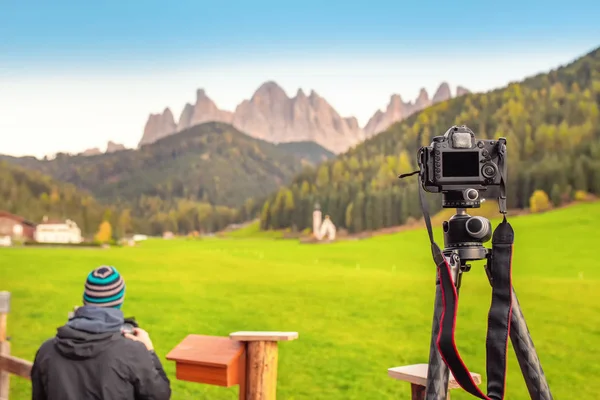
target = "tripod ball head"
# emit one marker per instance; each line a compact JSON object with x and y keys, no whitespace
{"x":465,"y":235}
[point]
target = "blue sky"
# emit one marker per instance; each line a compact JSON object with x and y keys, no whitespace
{"x":116,"y":62}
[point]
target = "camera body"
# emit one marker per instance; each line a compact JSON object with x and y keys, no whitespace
{"x":128,"y":325}
{"x":127,"y":328}
{"x":460,"y":166}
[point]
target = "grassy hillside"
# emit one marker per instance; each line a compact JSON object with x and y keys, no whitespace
{"x":211,"y":162}
{"x":359,"y":307}
{"x":551,"y":122}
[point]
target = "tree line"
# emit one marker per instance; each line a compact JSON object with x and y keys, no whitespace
{"x":551,"y":123}
{"x":33,"y":195}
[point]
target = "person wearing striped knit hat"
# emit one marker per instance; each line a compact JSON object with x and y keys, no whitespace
{"x":90,"y":356}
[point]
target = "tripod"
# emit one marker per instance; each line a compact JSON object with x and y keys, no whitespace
{"x":463,"y":242}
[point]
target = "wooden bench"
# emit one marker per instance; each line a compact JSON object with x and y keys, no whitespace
{"x":416,"y":375}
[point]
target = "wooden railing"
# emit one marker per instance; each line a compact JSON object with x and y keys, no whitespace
{"x":8,"y":364}
{"x":245,"y":359}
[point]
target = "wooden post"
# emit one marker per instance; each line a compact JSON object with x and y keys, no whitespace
{"x":417,"y":376}
{"x":4,"y":344}
{"x":417,"y":392}
{"x":261,"y":363}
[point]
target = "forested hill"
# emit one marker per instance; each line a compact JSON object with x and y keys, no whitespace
{"x":212,"y":163}
{"x":551,"y":122}
{"x":311,"y":152}
{"x":33,"y":195}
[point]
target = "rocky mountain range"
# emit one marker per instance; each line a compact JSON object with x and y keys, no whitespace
{"x":397,"y":109}
{"x":273,"y":116}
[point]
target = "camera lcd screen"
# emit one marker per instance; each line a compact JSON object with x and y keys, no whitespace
{"x":460,"y":164}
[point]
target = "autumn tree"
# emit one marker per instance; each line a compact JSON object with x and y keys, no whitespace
{"x":104,"y":234}
{"x":539,"y":202}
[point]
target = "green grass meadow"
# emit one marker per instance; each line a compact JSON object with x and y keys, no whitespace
{"x":360,"y":307}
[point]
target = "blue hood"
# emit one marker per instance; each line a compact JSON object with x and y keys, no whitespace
{"x":92,"y":319}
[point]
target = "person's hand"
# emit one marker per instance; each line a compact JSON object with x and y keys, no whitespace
{"x":140,"y":335}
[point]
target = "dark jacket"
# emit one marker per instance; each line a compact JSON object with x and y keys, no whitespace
{"x":90,"y":359}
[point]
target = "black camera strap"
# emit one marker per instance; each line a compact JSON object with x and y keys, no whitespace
{"x":500,"y":272}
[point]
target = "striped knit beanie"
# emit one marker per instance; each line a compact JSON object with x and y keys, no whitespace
{"x":104,"y":287}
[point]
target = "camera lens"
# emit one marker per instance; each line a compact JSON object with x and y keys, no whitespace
{"x":478,"y":227}
{"x":489,"y":170}
{"x":470,"y":194}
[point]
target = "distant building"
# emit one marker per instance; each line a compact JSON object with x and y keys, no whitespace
{"x":15,"y":227}
{"x":322,"y":228}
{"x":317,"y":216}
{"x":139,"y":237}
{"x":58,"y":232}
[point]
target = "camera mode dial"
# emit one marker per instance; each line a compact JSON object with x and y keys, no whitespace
{"x":489,"y":170}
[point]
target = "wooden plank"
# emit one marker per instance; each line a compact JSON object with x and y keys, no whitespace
{"x":4,"y":345}
{"x":246,"y":336}
{"x":261,"y":381}
{"x":15,"y":365}
{"x":203,"y":374}
{"x":3,"y":328}
{"x":243,"y":377}
{"x":213,"y":351}
{"x":4,"y":375}
{"x":417,"y":374}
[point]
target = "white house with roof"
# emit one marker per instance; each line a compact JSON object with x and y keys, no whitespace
{"x":58,"y":232}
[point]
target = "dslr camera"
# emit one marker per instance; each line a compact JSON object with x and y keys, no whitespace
{"x":461,"y":166}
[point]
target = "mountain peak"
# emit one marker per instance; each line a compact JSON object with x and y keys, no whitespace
{"x":167,"y":113}
{"x":270,"y":89}
{"x":460,"y":91}
{"x":443,"y":93}
{"x":397,"y":109}
{"x":395,"y":99}
{"x":185,"y":118}
{"x":201,"y":94}
{"x":158,"y":126}
{"x":112,"y":147}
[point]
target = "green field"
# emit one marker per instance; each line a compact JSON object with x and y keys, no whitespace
{"x":360,"y":307}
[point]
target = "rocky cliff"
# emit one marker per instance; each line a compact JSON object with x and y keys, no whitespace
{"x":158,"y":126}
{"x":273,"y":116}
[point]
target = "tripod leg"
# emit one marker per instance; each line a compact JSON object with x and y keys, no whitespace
{"x":526,"y":354}
{"x":437,"y":370}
